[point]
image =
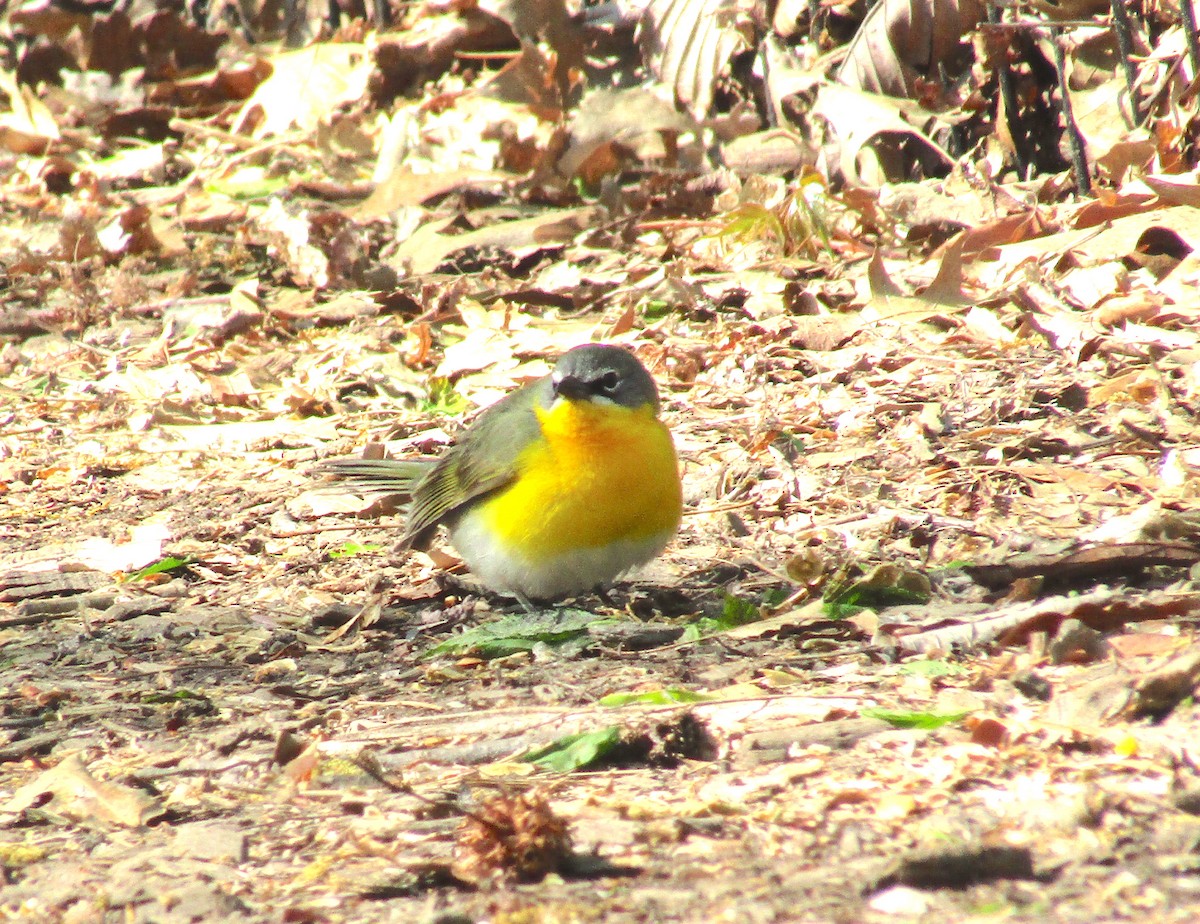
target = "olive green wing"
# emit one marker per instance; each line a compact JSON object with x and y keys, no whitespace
{"x":483,"y":460}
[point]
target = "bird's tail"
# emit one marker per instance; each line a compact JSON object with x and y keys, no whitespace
{"x":376,"y":476}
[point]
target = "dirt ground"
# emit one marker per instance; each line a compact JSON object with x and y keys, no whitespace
{"x":925,"y":648}
{"x":209,"y":744}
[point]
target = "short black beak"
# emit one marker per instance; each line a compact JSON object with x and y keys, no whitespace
{"x":572,"y":389}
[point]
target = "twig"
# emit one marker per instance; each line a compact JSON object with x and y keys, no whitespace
{"x":1036,"y":24}
{"x":317,"y":530}
{"x":1125,"y":43}
{"x":1008,"y":95}
{"x":37,"y":611}
{"x":34,"y":619}
{"x":199,"y":129}
{"x":1083,"y":181}
{"x":1189,"y":31}
{"x":720,"y":508}
{"x":195,"y":301}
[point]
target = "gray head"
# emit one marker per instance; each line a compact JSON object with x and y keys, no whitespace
{"x":596,"y":371}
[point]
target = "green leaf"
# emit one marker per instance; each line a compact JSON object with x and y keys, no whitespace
{"x":444,"y":399}
{"x":863,"y":595}
{"x":752,"y":222}
{"x":350,"y":549}
{"x":249,"y":183}
{"x":521,"y":632}
{"x":924,"y":720}
{"x":839,"y":610}
{"x":572,"y":752}
{"x":656,"y":309}
{"x":738,"y":612}
{"x":886,"y":585}
{"x":931,"y":669}
{"x":175,"y":696}
{"x":694,"y":631}
{"x":734,"y":612}
{"x":668,"y":696}
{"x":161,"y":567}
{"x":773,"y":597}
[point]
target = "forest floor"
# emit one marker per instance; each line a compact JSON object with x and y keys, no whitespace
{"x":924,"y":648}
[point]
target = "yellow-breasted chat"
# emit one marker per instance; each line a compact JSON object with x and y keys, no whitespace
{"x":559,"y":488}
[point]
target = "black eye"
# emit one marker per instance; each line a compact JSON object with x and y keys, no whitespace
{"x":609,"y":382}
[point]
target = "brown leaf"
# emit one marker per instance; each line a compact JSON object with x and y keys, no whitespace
{"x":551,"y":21}
{"x":689,"y":43}
{"x":428,"y":247}
{"x":904,"y":42}
{"x":610,"y":124}
{"x":28,"y":127}
{"x":404,"y":187}
{"x":990,"y":733}
{"x":305,"y":86}
{"x":76,"y":794}
{"x":1087,"y":564}
{"x":1143,"y":644}
{"x":1161,"y":691}
{"x":874,"y":141}
{"x":1103,"y":610}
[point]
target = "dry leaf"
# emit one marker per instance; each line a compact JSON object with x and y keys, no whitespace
{"x":423,"y":251}
{"x":28,"y":127}
{"x":305,"y":87}
{"x":908,"y":47}
{"x":689,"y":43}
{"x":73,"y":792}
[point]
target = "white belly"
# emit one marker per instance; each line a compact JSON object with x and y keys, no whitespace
{"x":571,"y":572}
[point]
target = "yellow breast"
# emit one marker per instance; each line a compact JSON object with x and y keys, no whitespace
{"x":602,"y":474}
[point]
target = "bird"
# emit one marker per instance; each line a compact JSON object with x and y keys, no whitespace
{"x":562,"y":487}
